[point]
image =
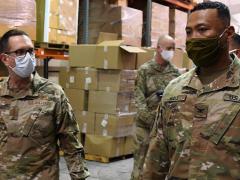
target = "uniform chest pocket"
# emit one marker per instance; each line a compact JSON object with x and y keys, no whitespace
{"x":227,"y":129}
{"x":172,"y":106}
{"x":39,"y":124}
{"x":173,"y":126}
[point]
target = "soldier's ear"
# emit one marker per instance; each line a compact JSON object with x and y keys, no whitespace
{"x":6,"y":59}
{"x":238,"y":53}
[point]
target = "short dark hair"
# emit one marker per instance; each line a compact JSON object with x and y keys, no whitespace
{"x":4,"y":39}
{"x":222,"y":9}
{"x":236,"y":40}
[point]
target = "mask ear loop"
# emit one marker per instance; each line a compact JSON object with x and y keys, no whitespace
{"x":223,"y":33}
{"x":232,"y":51}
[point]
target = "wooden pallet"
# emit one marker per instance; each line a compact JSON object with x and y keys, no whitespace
{"x":53,"y":46}
{"x":104,"y":159}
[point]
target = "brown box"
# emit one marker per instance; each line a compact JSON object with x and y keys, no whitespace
{"x":103,"y":36}
{"x":113,"y":55}
{"x":54,"y":21}
{"x":132,"y":105}
{"x":129,"y":145}
{"x":160,"y":22}
{"x":78,"y":99}
{"x":119,"y":2}
{"x":86,"y":121}
{"x":124,"y":21}
{"x":144,"y":57}
{"x":79,"y":78}
{"x":19,"y":14}
{"x":61,"y":36}
{"x":104,"y":145}
{"x":114,"y":125}
{"x":108,"y":102}
{"x":180,"y":33}
{"x":54,"y":7}
{"x":82,"y":55}
{"x":116,"y":80}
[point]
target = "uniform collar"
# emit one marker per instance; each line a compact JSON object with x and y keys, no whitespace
{"x":32,"y":92}
{"x":227,"y":79}
{"x":161,"y":68}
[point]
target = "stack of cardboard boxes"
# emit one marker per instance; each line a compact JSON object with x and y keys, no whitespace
{"x":107,"y":16}
{"x":57,"y":21}
{"x":100,"y":84}
{"x":160,"y":22}
{"x":63,"y":21}
{"x":20,"y":14}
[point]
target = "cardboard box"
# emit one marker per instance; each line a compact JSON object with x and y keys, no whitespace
{"x":82,"y":55}
{"x":159,"y":22}
{"x":129,"y":145}
{"x":144,"y":57}
{"x":180,"y":24}
{"x":79,"y":78}
{"x":132,"y":106}
{"x":52,"y":35}
{"x":114,"y":125}
{"x":68,"y":11}
{"x":103,"y":36}
{"x":126,"y":22}
{"x":86,"y":121}
{"x":104,"y":145}
{"x":108,"y":102}
{"x":61,"y":15}
{"x":116,"y":80}
{"x":19,"y":14}
{"x":77,"y":98}
{"x":54,"y":21}
{"x":123,"y":3}
{"x":113,"y":55}
{"x":54,"y":6}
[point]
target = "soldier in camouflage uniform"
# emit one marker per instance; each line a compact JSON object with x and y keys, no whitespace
{"x":152,"y":78}
{"x":198,"y":131}
{"x":36,"y":119}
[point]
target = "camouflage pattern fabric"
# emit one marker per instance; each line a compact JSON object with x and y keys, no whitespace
{"x":151,"y":80}
{"x":31,"y":125}
{"x":198,"y":131}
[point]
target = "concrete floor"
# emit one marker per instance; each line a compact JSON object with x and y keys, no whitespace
{"x":118,"y":170}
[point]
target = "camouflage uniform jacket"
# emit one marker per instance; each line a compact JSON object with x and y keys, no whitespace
{"x":32,"y":124}
{"x":151,"y":77}
{"x":198,"y":136}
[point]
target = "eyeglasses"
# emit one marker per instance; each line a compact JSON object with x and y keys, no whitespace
{"x":21,"y":52}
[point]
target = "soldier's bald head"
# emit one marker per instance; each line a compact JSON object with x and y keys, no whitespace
{"x":165,"y":39}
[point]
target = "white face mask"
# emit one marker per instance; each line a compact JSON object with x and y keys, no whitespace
{"x":25,"y":65}
{"x":167,"y":55}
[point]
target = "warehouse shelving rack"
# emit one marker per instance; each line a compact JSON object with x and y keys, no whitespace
{"x":48,"y":51}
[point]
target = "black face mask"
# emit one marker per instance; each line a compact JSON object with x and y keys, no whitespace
{"x":204,"y":51}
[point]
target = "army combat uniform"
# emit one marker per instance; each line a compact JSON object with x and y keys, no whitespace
{"x":31,"y":125}
{"x":198,"y":135}
{"x":152,"y":78}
